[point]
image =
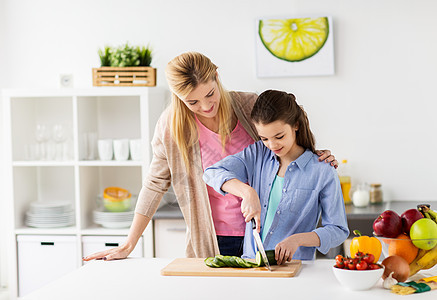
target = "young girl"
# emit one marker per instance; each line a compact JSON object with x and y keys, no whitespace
{"x":287,"y":186}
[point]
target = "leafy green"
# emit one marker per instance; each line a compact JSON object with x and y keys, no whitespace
{"x":125,"y":56}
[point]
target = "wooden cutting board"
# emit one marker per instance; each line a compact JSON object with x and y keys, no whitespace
{"x":197,"y":267}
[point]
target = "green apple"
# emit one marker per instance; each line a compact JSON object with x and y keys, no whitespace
{"x":423,"y":232}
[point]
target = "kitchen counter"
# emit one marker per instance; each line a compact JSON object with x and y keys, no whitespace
{"x":168,"y":211}
{"x":140,"y":278}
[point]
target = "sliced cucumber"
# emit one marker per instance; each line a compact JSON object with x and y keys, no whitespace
{"x":270,"y":257}
{"x":233,"y":262}
{"x":220,"y":261}
{"x":208,"y":261}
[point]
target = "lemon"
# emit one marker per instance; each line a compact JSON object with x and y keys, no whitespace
{"x":294,"y":39}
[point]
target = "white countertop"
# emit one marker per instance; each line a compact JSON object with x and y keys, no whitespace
{"x":140,"y":278}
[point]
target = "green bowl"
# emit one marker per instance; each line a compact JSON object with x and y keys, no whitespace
{"x":117,"y":206}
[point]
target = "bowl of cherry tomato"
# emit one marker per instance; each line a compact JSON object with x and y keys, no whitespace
{"x":359,"y":273}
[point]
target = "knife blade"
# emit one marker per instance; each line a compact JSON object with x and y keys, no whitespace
{"x":260,"y":246}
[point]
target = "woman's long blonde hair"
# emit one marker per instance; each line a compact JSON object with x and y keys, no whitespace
{"x":184,"y":73}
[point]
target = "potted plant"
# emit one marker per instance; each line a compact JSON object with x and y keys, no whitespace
{"x":125,"y":65}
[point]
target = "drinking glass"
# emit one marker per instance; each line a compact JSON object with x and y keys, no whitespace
{"x":59,"y":135}
{"x":42,"y":135}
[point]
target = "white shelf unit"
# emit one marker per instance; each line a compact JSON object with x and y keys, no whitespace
{"x":115,"y":113}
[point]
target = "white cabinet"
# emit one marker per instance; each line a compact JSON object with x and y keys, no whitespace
{"x":170,"y":236}
{"x":68,"y":168}
{"x":41,"y":259}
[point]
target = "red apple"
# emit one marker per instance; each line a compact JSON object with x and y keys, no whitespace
{"x":388,"y":224}
{"x":408,"y":218}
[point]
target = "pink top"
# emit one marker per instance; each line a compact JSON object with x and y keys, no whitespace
{"x":226,"y":210}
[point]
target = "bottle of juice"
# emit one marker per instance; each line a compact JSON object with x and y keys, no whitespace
{"x":345,"y":181}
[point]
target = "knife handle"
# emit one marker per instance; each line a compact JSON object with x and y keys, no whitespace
{"x":253,"y":223}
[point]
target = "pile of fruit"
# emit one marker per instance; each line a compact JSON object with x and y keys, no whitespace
{"x":360,"y":261}
{"x":412,"y":236}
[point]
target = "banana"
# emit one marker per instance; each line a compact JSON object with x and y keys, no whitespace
{"x":433,"y":215}
{"x":414,"y":267}
{"x":429,"y":213}
{"x":429,"y":260}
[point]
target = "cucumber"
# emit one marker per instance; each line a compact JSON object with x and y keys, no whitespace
{"x":233,"y":262}
{"x":220,"y":261}
{"x":208,"y":261}
{"x":270,"y":257}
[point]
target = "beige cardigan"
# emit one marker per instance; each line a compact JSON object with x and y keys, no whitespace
{"x":167,"y":167}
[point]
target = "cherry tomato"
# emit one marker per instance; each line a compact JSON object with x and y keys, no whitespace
{"x":374,"y":266}
{"x":359,"y":254}
{"x":351,"y":265}
{"x":340,"y":264}
{"x":339,"y":257}
{"x":369,"y":258}
{"x":361,"y":265}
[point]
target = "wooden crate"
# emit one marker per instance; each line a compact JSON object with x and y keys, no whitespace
{"x":124,"y":76}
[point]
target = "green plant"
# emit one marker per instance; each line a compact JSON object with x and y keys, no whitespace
{"x":105,"y":56}
{"x":125,"y":56}
{"x":145,"y":54}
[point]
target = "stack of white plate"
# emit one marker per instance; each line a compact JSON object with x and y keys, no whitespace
{"x":113,"y":219}
{"x":50,"y":214}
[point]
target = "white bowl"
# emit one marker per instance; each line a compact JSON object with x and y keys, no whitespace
{"x":358,"y":280}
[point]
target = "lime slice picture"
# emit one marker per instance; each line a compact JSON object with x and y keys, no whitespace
{"x":294,"y":39}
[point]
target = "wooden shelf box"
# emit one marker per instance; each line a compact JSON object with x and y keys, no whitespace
{"x":124,"y":76}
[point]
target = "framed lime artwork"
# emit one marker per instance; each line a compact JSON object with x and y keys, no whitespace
{"x":301,"y":46}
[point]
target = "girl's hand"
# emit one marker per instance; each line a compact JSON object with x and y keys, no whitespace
{"x":327,"y":157}
{"x":251,"y":207}
{"x":119,"y":252}
{"x":285,"y":249}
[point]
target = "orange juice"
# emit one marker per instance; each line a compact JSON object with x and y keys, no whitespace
{"x":345,"y":182}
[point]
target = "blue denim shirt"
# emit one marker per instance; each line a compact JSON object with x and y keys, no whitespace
{"x":311,"y":189}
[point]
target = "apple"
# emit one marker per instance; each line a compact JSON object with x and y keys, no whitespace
{"x":423,"y":234}
{"x":409,"y":217}
{"x":388,"y":224}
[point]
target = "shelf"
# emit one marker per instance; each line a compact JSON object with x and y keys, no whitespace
{"x":40,"y":163}
{"x":97,"y":230}
{"x":72,"y":230}
{"x":110,"y":163}
{"x":51,"y":154}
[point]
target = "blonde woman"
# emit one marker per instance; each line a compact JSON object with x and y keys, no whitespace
{"x":203,"y":124}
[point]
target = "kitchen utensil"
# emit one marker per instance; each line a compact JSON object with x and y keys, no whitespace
{"x":197,"y":267}
{"x":135,"y":149}
{"x":260,"y":246}
{"x":105,"y":149}
{"x":121,"y":149}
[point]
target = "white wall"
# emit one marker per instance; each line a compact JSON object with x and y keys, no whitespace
{"x":377,"y":111}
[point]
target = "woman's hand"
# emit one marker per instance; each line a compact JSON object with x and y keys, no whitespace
{"x":327,"y":157}
{"x":251,"y":207}
{"x":119,"y":252}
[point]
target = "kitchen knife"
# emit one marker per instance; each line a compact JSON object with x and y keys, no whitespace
{"x":260,"y":246}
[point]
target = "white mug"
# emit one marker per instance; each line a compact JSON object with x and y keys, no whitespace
{"x":121,"y":149}
{"x":105,"y":149}
{"x":135,"y":149}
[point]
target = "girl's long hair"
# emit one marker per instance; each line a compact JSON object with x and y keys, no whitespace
{"x":184,"y":73}
{"x":274,"y":106}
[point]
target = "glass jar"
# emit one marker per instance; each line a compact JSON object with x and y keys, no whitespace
{"x":361,"y":195}
{"x":375,"y":193}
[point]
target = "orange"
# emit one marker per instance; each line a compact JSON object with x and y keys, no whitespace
{"x":403,"y":247}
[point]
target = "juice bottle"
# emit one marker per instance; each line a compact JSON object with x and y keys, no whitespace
{"x":345,"y":181}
